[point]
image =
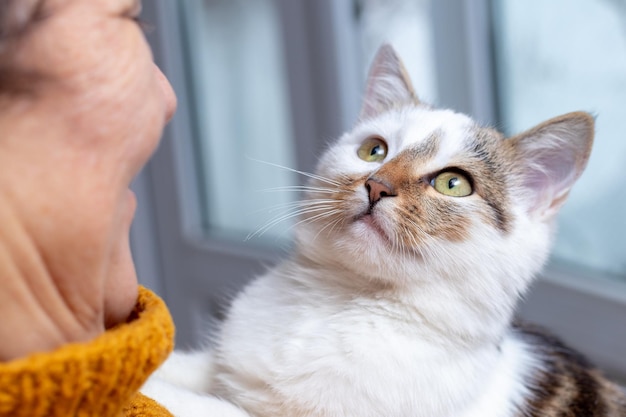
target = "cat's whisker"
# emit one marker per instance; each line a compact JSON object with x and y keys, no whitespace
{"x":345,"y":178}
{"x":306,"y":174}
{"x":295,"y":213}
{"x":396,"y":242}
{"x":402,"y":246}
{"x":289,"y":215}
{"x":293,"y":204}
{"x":302,"y":207}
{"x":288,"y":205}
{"x":318,"y":217}
{"x":275,"y":207}
{"x":338,"y":221}
{"x":300,"y":188}
{"x":416,"y":246}
{"x":331,"y":225}
{"x":300,"y":203}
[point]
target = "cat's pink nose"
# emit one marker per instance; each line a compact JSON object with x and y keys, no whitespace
{"x":378,"y":189}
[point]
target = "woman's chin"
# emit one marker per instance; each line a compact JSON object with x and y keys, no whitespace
{"x":131,"y":205}
{"x":121,"y":292}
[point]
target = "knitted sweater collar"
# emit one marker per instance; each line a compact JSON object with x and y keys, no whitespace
{"x":95,"y":378}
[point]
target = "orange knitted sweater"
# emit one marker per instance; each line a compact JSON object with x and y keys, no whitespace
{"x":98,"y":378}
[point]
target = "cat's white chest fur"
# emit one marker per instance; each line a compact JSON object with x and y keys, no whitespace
{"x":305,"y":356}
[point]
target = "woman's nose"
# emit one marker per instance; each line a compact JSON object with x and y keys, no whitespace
{"x":168,"y":92}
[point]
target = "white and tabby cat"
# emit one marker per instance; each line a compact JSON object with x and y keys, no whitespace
{"x":420,"y":232}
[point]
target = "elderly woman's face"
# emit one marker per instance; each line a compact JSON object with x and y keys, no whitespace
{"x":93,"y":117}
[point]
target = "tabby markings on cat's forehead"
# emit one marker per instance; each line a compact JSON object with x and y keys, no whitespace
{"x":479,"y":152}
{"x":490,"y":161}
{"x":426,"y":150}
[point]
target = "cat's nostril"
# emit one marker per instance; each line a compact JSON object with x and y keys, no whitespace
{"x":378,"y":189}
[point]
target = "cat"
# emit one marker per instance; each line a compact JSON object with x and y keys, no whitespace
{"x":420,"y":231}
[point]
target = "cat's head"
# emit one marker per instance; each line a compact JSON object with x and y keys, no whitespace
{"x":413,"y":193}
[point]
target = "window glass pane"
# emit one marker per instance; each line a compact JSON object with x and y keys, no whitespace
{"x":241,"y":114}
{"x":406,"y":24}
{"x":565,"y":55}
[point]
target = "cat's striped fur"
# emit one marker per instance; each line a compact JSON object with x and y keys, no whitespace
{"x":566,"y":384}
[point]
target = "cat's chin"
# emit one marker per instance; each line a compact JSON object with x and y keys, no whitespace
{"x":367,"y":225}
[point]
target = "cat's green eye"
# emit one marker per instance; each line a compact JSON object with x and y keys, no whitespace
{"x":373,"y":149}
{"x":452,"y":184}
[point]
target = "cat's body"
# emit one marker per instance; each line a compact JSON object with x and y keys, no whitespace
{"x":366,"y":356}
{"x":419,"y":233}
{"x":358,"y":356}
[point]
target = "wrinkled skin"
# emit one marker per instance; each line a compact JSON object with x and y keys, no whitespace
{"x":71,"y":141}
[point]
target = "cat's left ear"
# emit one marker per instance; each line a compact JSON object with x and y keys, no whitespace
{"x":388,"y":84}
{"x":551,"y":157}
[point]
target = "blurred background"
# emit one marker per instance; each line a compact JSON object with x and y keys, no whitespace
{"x":269,"y":83}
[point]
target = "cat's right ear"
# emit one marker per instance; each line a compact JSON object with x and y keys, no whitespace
{"x":388,"y":84}
{"x":551,"y":157}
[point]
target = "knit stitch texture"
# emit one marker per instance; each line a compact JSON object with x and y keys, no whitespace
{"x":98,"y":378}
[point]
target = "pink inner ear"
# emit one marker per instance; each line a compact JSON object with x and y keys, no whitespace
{"x":383,"y":93}
{"x":550,"y":176}
{"x":553,"y":156}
